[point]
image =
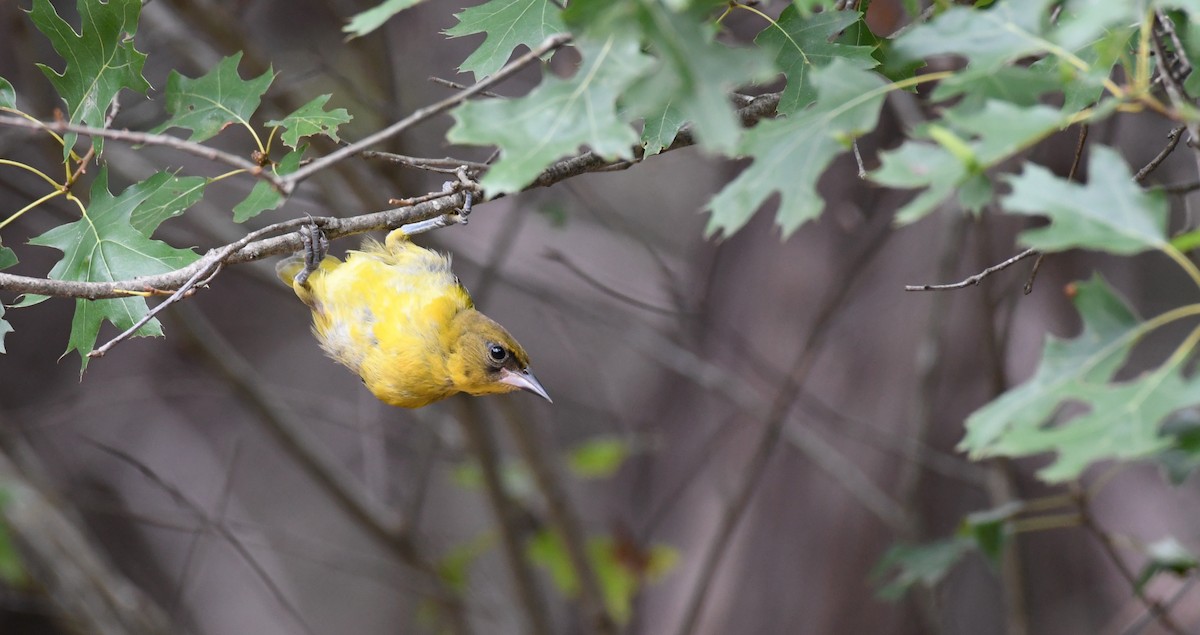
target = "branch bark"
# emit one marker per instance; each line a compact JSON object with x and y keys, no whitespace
{"x":87,"y":592}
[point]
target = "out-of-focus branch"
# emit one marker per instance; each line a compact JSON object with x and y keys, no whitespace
{"x":773,"y":426}
{"x":1088,"y":520}
{"x":216,"y":525}
{"x":315,"y":460}
{"x":85,"y":590}
{"x":549,"y":478}
{"x":507,"y":514}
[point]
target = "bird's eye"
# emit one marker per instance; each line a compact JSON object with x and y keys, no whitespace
{"x":497,"y":353}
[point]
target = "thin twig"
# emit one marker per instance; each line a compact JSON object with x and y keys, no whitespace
{"x":1172,"y":141}
{"x":258,"y":249}
{"x":411,"y":210}
{"x":446,"y":165}
{"x":1179,"y":97}
{"x":559,"y":257}
{"x":146,"y":138}
{"x":1088,"y":520}
{"x":223,"y":530}
{"x":773,"y":426}
{"x":975,"y":279}
{"x":317,"y":463}
{"x":1147,"y":616}
{"x":551,"y":43}
{"x":458,"y":86}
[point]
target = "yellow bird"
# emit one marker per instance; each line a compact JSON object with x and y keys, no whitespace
{"x":397,"y":316}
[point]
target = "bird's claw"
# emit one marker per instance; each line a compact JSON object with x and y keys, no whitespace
{"x":316,"y":245}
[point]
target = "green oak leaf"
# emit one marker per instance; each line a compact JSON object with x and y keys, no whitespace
{"x":8,"y":96}
{"x":988,"y":38}
{"x":695,"y":73}
{"x":264,"y":197}
{"x":1166,"y":556}
{"x":101,"y":58}
{"x":1122,"y":419}
{"x":905,"y":566}
{"x":598,"y":458}
{"x":990,"y":529}
{"x":5,"y":329}
{"x":1018,"y":85}
{"x":620,"y":580}
{"x":972,"y":140}
{"x":102,"y":247}
{"x":207,"y":104}
{"x":800,"y":44}
{"x":790,"y":154}
{"x":508,"y":24}
{"x":659,"y":131}
{"x":8,"y":258}
{"x":1110,"y":213}
{"x":170,"y":196}
{"x":312,"y":119}
{"x":557,"y":117}
{"x":366,"y":21}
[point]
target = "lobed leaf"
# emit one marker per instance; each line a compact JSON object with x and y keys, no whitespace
{"x":801,"y":43}
{"x":1110,"y":213}
{"x":367,"y":21}
{"x":695,"y":73}
{"x":989,"y":38}
{"x":791,"y":154}
{"x":263,"y":197}
{"x":8,"y":96}
{"x":508,"y":24}
{"x":659,"y":131}
{"x":103,"y":246}
{"x":311,"y":119}
{"x":1121,"y":420}
{"x":101,"y":58}
{"x":904,"y":566}
{"x":557,"y":117}
{"x":170,"y":196}
{"x":974,"y":141}
{"x":206,"y":104}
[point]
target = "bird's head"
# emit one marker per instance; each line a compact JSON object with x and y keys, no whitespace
{"x":485,"y":359}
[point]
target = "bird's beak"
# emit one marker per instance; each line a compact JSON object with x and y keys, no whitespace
{"x":524,"y":380}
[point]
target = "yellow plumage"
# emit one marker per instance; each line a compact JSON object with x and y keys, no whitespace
{"x":396,"y":315}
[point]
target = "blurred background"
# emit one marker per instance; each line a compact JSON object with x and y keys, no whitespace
{"x":781,"y":412}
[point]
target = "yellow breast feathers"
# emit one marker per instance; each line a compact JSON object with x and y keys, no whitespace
{"x":396,"y":315}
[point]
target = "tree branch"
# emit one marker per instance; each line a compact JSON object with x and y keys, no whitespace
{"x":483,"y":446}
{"x":549,"y":478}
{"x":146,"y":138}
{"x":549,"y":44}
{"x":84,"y":588}
{"x":387,"y":529}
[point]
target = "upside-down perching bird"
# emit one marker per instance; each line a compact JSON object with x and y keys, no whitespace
{"x":395,"y":314}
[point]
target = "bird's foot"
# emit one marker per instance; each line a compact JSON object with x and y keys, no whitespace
{"x":316,"y":245}
{"x":470,"y":191}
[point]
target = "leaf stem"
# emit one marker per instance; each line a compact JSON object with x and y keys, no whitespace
{"x":774,"y":23}
{"x":1183,"y":261}
{"x":57,"y":137}
{"x":30,"y":168}
{"x":1042,"y":523}
{"x":6,"y":222}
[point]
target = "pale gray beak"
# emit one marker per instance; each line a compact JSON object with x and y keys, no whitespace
{"x":524,"y":380}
